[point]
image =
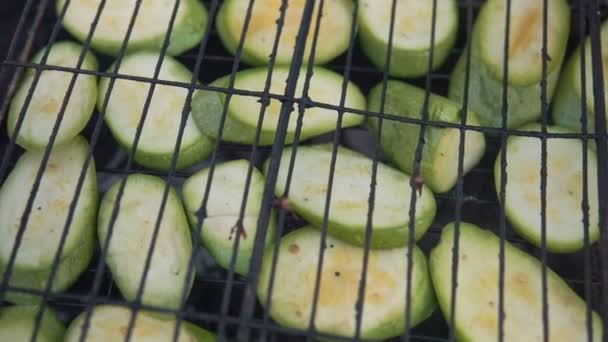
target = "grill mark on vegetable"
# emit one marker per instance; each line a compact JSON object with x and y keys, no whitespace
{"x":526,"y":32}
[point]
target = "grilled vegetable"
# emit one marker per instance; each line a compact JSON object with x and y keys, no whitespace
{"x":385,"y":288}
{"x":524,"y":60}
{"x":49,"y":95}
{"x":131,"y":240}
{"x":243,"y":111}
{"x":350,"y":195}
{"x":399,"y":140}
{"x":411,"y":41}
{"x":17,"y":324}
{"x":149,"y":31}
{"x":111,"y":323}
{"x":159,"y":135}
{"x":476,"y":311}
{"x":46,"y":221}
{"x":223,"y":208}
{"x":333,"y":38}
{"x":565,"y":231}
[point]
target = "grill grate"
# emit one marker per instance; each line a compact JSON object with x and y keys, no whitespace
{"x":225,"y":302}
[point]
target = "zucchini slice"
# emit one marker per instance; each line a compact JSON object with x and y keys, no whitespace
{"x":478,"y":288}
{"x":47,"y":218}
{"x":333,"y":39}
{"x":159,"y":135}
{"x":223,"y":208}
{"x":565,"y":231}
{"x":568,"y":96}
{"x":132,"y":236}
{"x":111,"y":323}
{"x":411,"y":43}
{"x":48,"y":97}
{"x":151,"y":24}
{"x":243,"y":111}
{"x":525,"y":60}
{"x":350,"y":195}
{"x":17,"y":324}
{"x":399,"y":140}
{"x":385,"y":289}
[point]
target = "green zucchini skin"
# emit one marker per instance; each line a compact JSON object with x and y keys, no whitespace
{"x":399,"y":140}
{"x":17,"y":324}
{"x":477,"y":295}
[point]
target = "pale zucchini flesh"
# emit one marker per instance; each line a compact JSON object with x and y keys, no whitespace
{"x":160,"y":131}
{"x":226,"y":195}
{"x":385,"y":289}
{"x":17,"y":324}
{"x":564,"y":190}
{"x":476,"y":311}
{"x":333,"y":37}
{"x":131,"y":240}
{"x":349,"y":205}
{"x":39,"y":244}
{"x":149,"y":31}
{"x":399,"y":140}
{"x":243,"y":111}
{"x":49,"y":94}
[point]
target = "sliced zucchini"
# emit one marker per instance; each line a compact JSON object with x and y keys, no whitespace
{"x":333,"y":38}
{"x":111,"y":323}
{"x":42,"y":234}
{"x":17,"y":324}
{"x":385,"y":289}
{"x":243,"y":111}
{"x":565,"y":230}
{"x":149,"y":31}
{"x":399,"y":140}
{"x":159,"y":135}
{"x":478,"y":289}
{"x":48,"y":97}
{"x":525,"y":60}
{"x":411,"y":42}
{"x":568,"y":96}
{"x":223,"y":208}
{"x":350,"y":195}
{"x":132,"y":236}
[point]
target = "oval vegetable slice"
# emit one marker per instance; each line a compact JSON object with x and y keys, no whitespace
{"x":411,"y":41}
{"x":42,"y":234}
{"x":350,"y":195}
{"x":478,"y":288}
{"x":159,"y":135}
{"x":243,"y":111}
{"x":111,"y":323}
{"x":223,"y":208}
{"x":565,"y":230}
{"x":49,"y":95}
{"x":385,"y":289}
{"x":525,"y":60}
{"x":399,"y":140}
{"x":333,"y":38}
{"x":149,"y":31}
{"x":17,"y":324}
{"x":131,"y":239}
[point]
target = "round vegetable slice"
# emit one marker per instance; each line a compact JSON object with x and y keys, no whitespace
{"x":223,"y":208}
{"x":411,"y":41}
{"x":149,"y":31}
{"x":349,"y":205}
{"x":333,"y":38}
{"x":111,"y":323}
{"x":565,"y":231}
{"x":131,"y":240}
{"x":17,"y":324}
{"x":399,"y":140}
{"x":243,"y":111}
{"x":524,"y":60}
{"x":42,"y":234}
{"x":385,"y":289}
{"x":476,"y":311}
{"x":159,"y":135}
{"x":48,"y":97}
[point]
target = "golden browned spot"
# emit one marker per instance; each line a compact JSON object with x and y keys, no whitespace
{"x":486,"y":321}
{"x":522,"y":278}
{"x":350,"y":204}
{"x":294,"y":249}
{"x":50,"y":106}
{"x":526,"y":31}
{"x":123,"y":330}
